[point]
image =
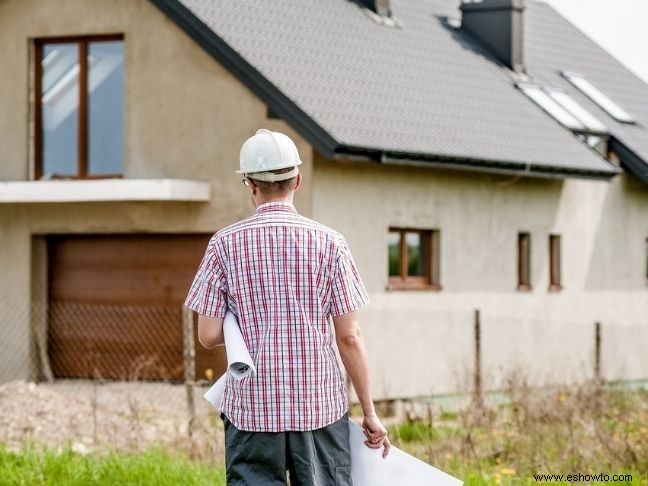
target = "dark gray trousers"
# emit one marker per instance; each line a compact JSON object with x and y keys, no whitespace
{"x":314,"y":458}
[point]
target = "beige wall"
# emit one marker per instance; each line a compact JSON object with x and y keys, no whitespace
{"x":421,"y":341}
{"x":185,"y":117}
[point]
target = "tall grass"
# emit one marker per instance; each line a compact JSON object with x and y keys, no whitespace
{"x":583,"y":429}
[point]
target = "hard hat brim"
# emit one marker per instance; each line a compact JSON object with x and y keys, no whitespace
{"x":273,"y":169}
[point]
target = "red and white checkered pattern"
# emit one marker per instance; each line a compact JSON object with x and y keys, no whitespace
{"x":283,"y":276}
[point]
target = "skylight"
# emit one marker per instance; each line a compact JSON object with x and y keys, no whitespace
{"x":614,"y":110}
{"x":563,"y":108}
{"x":567,"y":102}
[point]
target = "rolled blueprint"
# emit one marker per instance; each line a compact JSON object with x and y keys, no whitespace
{"x":368,"y":467}
{"x":215,"y":392}
{"x":239,"y":361}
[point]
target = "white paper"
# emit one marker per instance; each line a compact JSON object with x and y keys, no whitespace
{"x":215,"y":392}
{"x":368,"y":468}
{"x":239,"y":361}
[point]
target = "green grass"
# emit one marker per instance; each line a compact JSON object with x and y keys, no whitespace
{"x":36,"y":465}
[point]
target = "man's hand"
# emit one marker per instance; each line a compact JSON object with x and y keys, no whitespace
{"x":375,"y":433}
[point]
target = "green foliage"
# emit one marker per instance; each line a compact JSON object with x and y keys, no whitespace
{"x":34,"y":465}
{"x":583,"y":430}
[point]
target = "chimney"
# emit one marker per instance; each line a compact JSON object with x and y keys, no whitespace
{"x":381,"y":7}
{"x":498,"y":26}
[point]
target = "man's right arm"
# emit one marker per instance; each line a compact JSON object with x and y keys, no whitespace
{"x":350,"y":342}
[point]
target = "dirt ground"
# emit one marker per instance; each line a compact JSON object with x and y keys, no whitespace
{"x":125,"y":415}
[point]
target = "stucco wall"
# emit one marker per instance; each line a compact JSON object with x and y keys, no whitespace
{"x":422,"y":341}
{"x":185,"y":117}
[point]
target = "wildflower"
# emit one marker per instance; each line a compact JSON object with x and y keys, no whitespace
{"x":507,"y":471}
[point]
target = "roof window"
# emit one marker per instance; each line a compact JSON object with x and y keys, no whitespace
{"x":589,"y":90}
{"x":563,"y":108}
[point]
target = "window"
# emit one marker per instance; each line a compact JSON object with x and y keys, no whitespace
{"x":79,"y":84}
{"x":589,"y":90}
{"x":414,"y":258}
{"x":524,"y":261}
{"x":554,"y":263}
{"x":563,"y":108}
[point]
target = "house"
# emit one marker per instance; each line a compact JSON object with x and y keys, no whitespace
{"x":476,"y":155}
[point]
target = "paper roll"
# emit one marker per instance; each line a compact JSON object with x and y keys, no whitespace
{"x":215,"y":392}
{"x":239,"y":361}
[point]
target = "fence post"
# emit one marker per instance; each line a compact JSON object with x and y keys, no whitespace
{"x":189,"y":356}
{"x":477,"y":392}
{"x":598,"y":379}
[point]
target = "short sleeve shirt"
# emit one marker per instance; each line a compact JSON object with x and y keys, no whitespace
{"x":283,"y":276}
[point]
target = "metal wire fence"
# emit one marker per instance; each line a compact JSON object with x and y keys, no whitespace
{"x":97,"y":375}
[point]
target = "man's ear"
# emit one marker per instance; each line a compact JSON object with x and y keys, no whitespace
{"x":254,"y":189}
{"x":298,"y":183}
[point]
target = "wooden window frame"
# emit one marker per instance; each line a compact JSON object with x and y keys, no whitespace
{"x":646,"y":260}
{"x":431,"y":280}
{"x":82,"y":125}
{"x":555,"y":262}
{"x":524,"y":261}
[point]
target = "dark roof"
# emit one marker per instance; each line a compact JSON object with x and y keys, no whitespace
{"x":424,"y":92}
{"x":554,"y":45}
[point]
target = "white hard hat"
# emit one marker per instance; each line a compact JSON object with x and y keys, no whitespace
{"x":266,"y":151}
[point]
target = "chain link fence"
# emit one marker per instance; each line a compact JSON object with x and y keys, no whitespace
{"x":130,"y":377}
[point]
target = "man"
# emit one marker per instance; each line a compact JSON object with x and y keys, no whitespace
{"x":284,"y":276}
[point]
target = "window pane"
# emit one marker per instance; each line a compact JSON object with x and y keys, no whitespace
{"x":598,"y":97}
{"x":416,"y":255}
{"x":524,"y":260}
{"x":554,"y":260}
{"x":60,"y":108}
{"x":539,"y":96}
{"x":393,"y":245}
{"x":105,"y":107}
{"x":567,"y":102}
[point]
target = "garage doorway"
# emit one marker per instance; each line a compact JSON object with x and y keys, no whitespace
{"x":115,"y":306}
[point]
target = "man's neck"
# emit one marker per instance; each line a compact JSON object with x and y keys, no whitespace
{"x":288,"y":200}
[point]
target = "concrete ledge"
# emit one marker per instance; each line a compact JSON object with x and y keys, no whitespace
{"x":103,"y":190}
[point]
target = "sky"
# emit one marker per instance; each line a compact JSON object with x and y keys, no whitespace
{"x":619,"y":26}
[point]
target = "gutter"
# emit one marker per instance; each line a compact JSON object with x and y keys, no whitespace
{"x":630,"y":160}
{"x":530,"y":169}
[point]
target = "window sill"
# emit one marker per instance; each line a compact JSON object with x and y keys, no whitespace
{"x":103,"y":190}
{"x":415,"y":287}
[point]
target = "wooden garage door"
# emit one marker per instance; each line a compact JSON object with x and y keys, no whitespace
{"x":116,"y":306}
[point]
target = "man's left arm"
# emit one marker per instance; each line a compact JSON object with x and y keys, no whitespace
{"x":210,"y":331}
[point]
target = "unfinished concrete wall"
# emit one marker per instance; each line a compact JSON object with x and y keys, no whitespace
{"x":422,"y":341}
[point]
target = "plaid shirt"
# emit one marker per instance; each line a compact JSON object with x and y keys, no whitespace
{"x":283,"y":276}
